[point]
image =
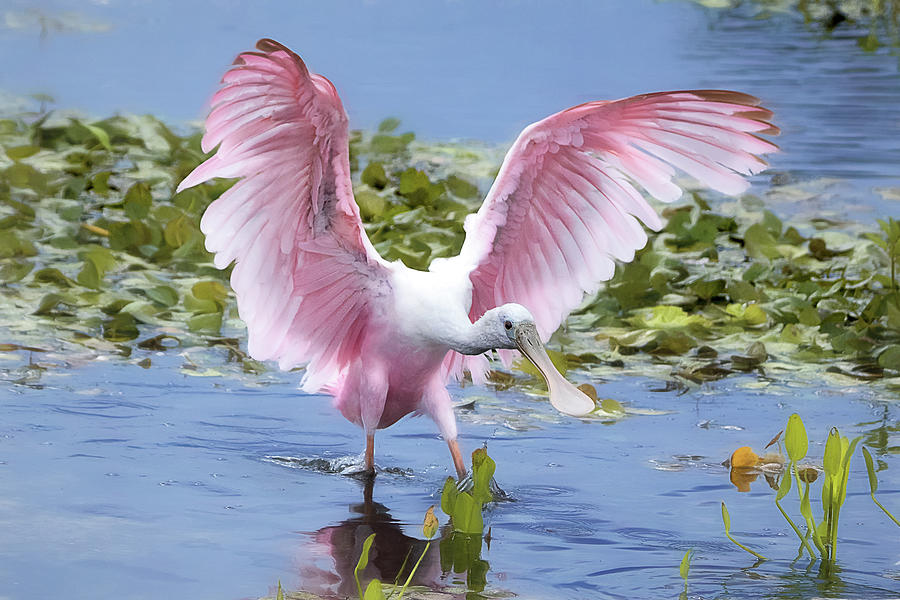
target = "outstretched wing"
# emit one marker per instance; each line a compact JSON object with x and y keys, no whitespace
{"x":565,"y":202}
{"x":306,"y":276}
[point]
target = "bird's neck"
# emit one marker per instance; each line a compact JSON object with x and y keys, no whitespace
{"x":478,"y":337}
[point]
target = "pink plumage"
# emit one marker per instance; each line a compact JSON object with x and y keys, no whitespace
{"x":383,"y":339}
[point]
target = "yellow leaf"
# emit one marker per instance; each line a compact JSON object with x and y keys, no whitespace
{"x":744,"y":457}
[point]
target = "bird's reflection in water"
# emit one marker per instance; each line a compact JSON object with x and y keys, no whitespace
{"x":391,"y":557}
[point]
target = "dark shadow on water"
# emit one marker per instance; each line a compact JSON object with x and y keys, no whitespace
{"x":328,"y":560}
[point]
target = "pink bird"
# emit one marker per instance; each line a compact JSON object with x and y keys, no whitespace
{"x":384,"y":339}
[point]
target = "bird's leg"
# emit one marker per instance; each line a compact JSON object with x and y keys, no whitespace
{"x":370,"y":452}
{"x":457,"y":458}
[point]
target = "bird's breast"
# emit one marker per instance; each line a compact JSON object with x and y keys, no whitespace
{"x":431,"y":308}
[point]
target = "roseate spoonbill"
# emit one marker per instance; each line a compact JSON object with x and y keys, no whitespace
{"x":384,"y":339}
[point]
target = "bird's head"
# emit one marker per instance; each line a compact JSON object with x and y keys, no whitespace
{"x":513,"y":328}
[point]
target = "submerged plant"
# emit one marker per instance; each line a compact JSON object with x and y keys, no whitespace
{"x":873,"y":484}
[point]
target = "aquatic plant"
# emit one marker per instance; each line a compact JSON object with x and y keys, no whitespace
{"x":465,"y":506}
{"x":98,"y":256}
{"x":374,"y":589}
{"x":683,"y":570}
{"x":726,"y":519}
{"x":873,"y":484}
{"x":881,"y":17}
{"x":463,"y":501}
{"x":836,"y":463}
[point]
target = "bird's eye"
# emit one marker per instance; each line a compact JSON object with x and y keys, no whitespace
{"x":508,"y":325}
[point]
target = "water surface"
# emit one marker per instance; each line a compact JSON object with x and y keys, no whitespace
{"x":484,"y":70}
{"x":125,"y":482}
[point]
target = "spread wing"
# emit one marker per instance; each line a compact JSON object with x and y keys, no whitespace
{"x":566,"y":201}
{"x":306,"y":276}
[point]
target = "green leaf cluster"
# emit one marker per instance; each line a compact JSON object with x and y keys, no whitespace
{"x":465,"y":507}
{"x":879,"y":18}
{"x":836,"y":467}
{"x":710,"y":284}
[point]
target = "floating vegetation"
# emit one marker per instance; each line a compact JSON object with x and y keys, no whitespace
{"x":880,"y":17}
{"x":99,"y":256}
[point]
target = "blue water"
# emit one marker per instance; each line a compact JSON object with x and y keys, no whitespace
{"x":121,"y":482}
{"x":465,"y":69}
{"x":124,"y":482}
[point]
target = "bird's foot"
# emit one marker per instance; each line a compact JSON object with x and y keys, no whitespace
{"x":465,"y":484}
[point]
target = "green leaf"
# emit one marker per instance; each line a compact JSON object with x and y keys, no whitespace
{"x":483,"y":467}
{"x":890,"y":357}
{"x":726,"y":519}
{"x":120,"y":328}
{"x":448,"y":497}
{"x":371,"y":205}
{"x":785,"y":485}
{"x":462,"y":188}
{"x":833,"y":453}
{"x":211,"y":322}
{"x":869,"y":43}
{"x":89,"y":276}
{"x":759,"y":243}
{"x":417,"y":188}
{"x":374,"y":591}
{"x":467,"y":517}
{"x":388,"y":125}
{"x":363,"y":562}
{"x":163,"y":294}
{"x":685,"y":566}
{"x":612,"y":406}
{"x":101,"y":136}
{"x":48,"y":303}
{"x":20,"y":152}
{"x":870,"y":468}
{"x":210,"y":290}
{"x":669,"y":317}
{"x":14,"y":270}
{"x":795,"y":441}
{"x":138,"y":201}
{"x":179,"y":231}
{"x":390,"y":144}
{"x":373,"y":175}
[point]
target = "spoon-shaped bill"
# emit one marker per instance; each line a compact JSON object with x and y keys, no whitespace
{"x":565,"y":397}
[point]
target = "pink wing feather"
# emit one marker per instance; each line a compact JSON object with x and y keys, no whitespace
{"x":306,"y":276}
{"x":565,"y":204}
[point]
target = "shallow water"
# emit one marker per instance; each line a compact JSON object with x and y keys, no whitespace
{"x":136,"y":483}
{"x":485,"y":70}
{"x":120,"y":481}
